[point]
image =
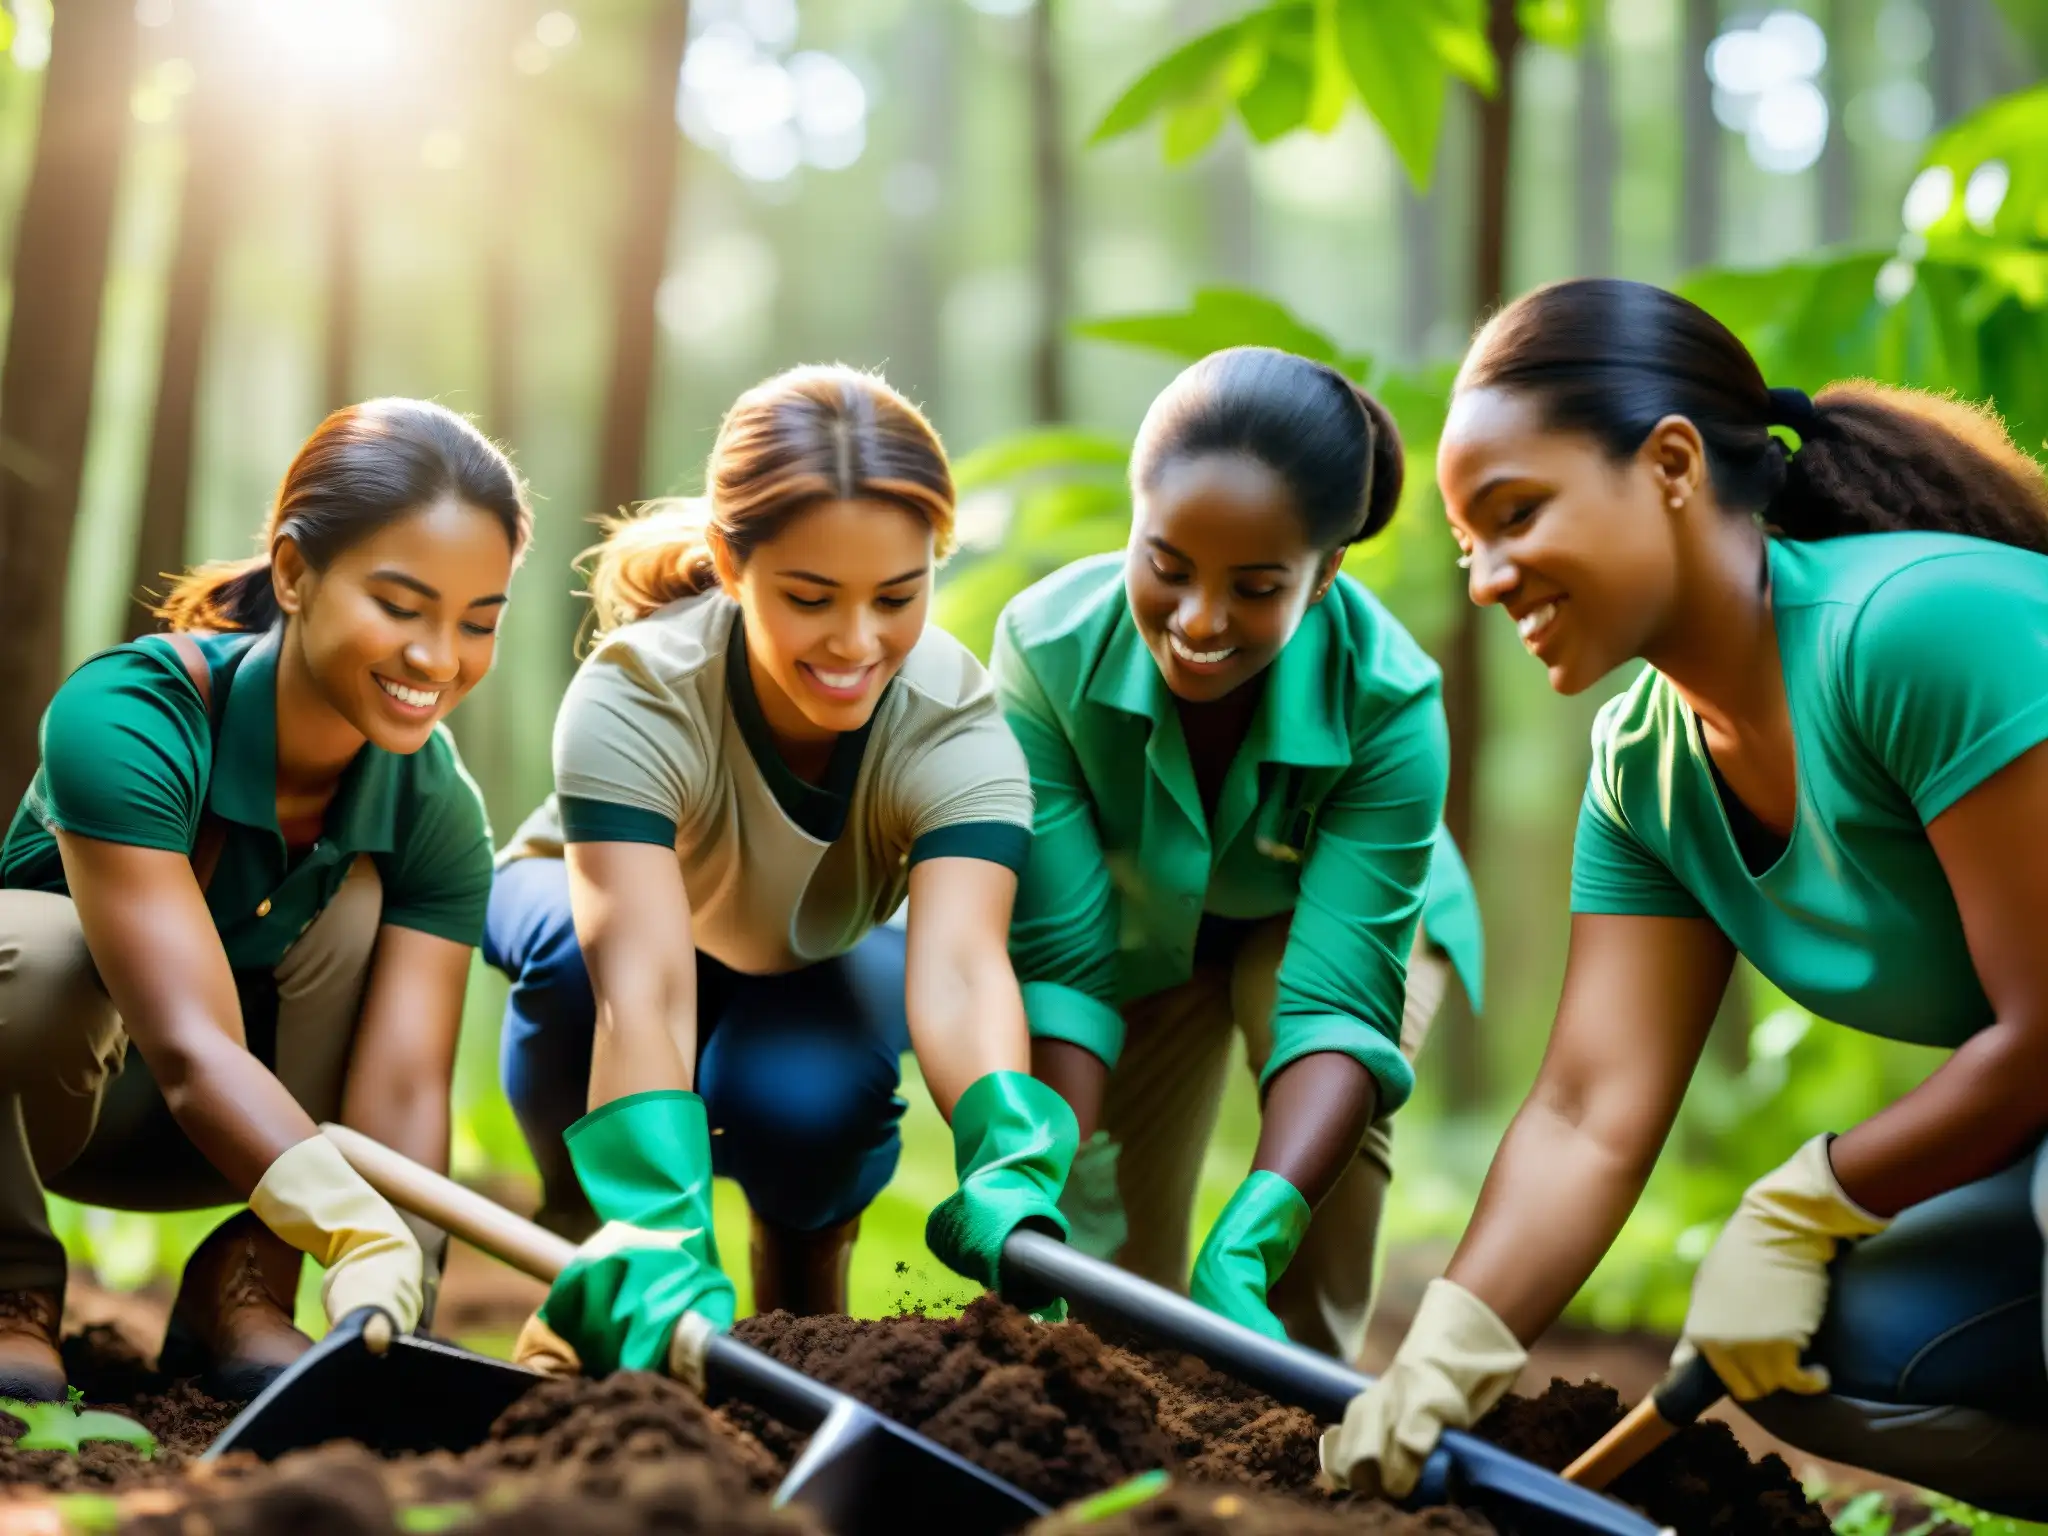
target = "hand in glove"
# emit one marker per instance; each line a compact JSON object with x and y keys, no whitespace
{"x":1457,"y":1361}
{"x":1096,"y":1224}
{"x":315,"y":1201}
{"x":645,"y":1163}
{"x":1763,"y":1286}
{"x":1248,"y":1249}
{"x":1014,"y":1139}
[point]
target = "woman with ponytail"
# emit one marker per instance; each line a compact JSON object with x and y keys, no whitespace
{"x":765,"y":753}
{"x":252,"y":865}
{"x":1238,"y":759}
{"x":1832,"y":765}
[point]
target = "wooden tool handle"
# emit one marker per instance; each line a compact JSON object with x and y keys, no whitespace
{"x":1677,"y":1401}
{"x":476,"y":1219}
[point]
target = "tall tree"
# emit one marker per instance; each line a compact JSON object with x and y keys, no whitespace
{"x":1837,"y":169}
{"x":648,"y":152}
{"x":1464,"y":680}
{"x":929,"y":61}
{"x":1594,"y":129}
{"x":342,"y":168}
{"x":1699,"y":139}
{"x":46,"y":380}
{"x":1054,"y":210}
{"x":203,"y":215}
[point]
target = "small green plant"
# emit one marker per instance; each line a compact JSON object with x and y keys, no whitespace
{"x":66,"y":1427}
{"x":74,"y":1398}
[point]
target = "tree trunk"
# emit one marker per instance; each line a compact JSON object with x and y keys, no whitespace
{"x":648,"y":202}
{"x":203,"y":213}
{"x":927,"y":51}
{"x":1422,"y":285}
{"x":1837,"y":169}
{"x":60,"y":271}
{"x":1594,"y":255}
{"x":1464,"y":690}
{"x":344,"y":267}
{"x":1700,"y":139}
{"x":1959,"y":27}
{"x":1049,"y":183}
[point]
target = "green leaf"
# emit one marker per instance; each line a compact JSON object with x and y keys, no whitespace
{"x":1095,"y":512}
{"x":1553,"y":23}
{"x":1191,"y":126}
{"x":1396,"y":62}
{"x":1036,"y":451}
{"x":429,"y":1519}
{"x":1458,"y":32}
{"x":1281,"y":99}
{"x":88,"y":1514}
{"x":1218,"y":318}
{"x":1332,"y":91}
{"x":1190,"y":71}
{"x":60,"y":1427}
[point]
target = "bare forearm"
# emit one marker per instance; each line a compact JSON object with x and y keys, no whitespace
{"x":646,"y":1036}
{"x":1317,"y":1110}
{"x":966,"y":1021}
{"x":412,"y":1119}
{"x":232,"y":1106}
{"x":1974,"y":1116}
{"x":1554,"y":1200}
{"x":1076,"y":1074}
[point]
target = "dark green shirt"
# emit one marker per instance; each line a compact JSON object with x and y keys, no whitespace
{"x":129,"y":756}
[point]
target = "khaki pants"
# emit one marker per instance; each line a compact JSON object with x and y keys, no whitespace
{"x":79,"y":1112}
{"x":1161,"y":1109}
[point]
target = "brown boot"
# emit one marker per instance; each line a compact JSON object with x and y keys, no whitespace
{"x":232,"y":1322}
{"x":31,"y":1370}
{"x":801,"y":1272}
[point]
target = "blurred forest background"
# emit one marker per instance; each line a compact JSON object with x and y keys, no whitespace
{"x":590,"y":223}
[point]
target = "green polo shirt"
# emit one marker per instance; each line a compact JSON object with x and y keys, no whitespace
{"x":1915,"y":666}
{"x":1331,"y":810}
{"x":129,"y":756}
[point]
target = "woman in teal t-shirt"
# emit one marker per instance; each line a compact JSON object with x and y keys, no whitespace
{"x":1829,"y":766}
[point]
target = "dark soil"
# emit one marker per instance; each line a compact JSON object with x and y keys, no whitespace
{"x":1700,"y":1482}
{"x":1052,"y":1409}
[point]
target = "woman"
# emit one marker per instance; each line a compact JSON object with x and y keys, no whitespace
{"x":1832,"y":766}
{"x":765,"y":752}
{"x":251,"y":852}
{"x":1239,"y":759}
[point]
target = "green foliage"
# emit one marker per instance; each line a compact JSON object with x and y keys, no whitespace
{"x":65,"y":1427}
{"x":1225,"y":317}
{"x":1298,"y":63}
{"x":1872,"y":1514}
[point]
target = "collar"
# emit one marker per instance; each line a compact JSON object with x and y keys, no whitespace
{"x":243,"y":788}
{"x":820,"y":809}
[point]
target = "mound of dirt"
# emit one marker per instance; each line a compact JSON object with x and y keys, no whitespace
{"x":1700,"y":1482}
{"x":1048,"y":1409}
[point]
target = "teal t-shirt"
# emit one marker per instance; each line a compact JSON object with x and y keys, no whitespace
{"x":1916,"y":666}
{"x":130,"y":756}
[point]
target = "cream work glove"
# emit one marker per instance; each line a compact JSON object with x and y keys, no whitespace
{"x":315,"y":1201}
{"x":1457,"y":1361}
{"x":1761,"y":1290}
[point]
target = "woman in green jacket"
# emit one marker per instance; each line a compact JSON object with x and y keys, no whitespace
{"x":1238,"y":759}
{"x":241,"y":894}
{"x":1833,"y":764}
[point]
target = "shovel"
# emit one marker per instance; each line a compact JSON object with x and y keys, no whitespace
{"x":1676,"y":1401}
{"x":1463,"y":1468}
{"x":861,"y":1473}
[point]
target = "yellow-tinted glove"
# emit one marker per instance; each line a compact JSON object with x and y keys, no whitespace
{"x":1457,"y":1361}
{"x":1761,"y":1290}
{"x":315,"y":1201}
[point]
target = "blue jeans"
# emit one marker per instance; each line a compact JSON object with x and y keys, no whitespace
{"x":1933,"y":1342}
{"x":798,"y":1071}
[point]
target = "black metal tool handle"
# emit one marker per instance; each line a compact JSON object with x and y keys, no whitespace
{"x":1462,"y":1467}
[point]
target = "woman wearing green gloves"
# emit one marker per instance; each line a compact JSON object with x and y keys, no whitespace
{"x":766,"y":752}
{"x":1832,"y":765}
{"x":1238,"y":759}
{"x":251,"y":854}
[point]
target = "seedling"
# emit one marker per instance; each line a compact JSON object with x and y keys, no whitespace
{"x":66,"y":1427}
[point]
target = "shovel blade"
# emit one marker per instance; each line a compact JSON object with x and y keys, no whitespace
{"x":864,"y":1475}
{"x":1524,"y":1497}
{"x":418,"y":1395}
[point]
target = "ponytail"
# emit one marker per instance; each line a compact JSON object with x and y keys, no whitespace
{"x":1876,"y":459}
{"x":222,"y":595}
{"x":647,"y":560}
{"x":1611,"y":359}
{"x":1389,"y":466}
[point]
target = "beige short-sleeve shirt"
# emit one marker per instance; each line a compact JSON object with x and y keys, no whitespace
{"x":661,"y":740}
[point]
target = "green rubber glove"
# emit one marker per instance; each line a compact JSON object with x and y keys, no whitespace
{"x":645,"y":1163}
{"x":1013,"y":1141}
{"x":1094,"y":1209}
{"x":1249,"y":1248}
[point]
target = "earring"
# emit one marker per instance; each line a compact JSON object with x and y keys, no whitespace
{"x":1677,"y":500}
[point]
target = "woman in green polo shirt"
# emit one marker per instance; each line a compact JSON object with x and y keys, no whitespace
{"x":766,"y":754}
{"x":1238,"y":759}
{"x":1833,"y":765}
{"x":251,"y":853}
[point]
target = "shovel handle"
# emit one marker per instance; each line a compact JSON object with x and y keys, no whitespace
{"x":1673,"y":1403}
{"x":477,"y":1219}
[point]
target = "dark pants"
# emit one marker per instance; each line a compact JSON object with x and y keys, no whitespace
{"x":1933,"y":1343}
{"x":798,"y":1071}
